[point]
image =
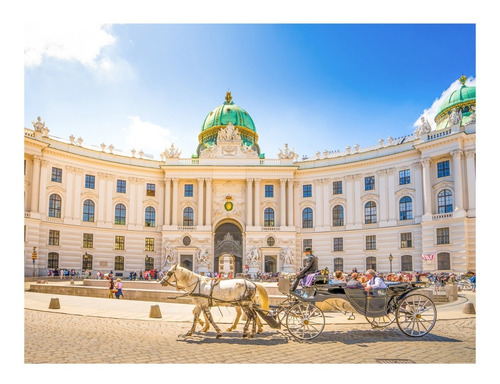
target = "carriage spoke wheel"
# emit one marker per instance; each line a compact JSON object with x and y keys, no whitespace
{"x":416,"y":315}
{"x":305,"y":321}
{"x":382,"y":321}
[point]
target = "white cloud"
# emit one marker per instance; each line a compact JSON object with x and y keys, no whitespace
{"x":75,"y":42}
{"x":150,"y":137}
{"x":430,"y":113}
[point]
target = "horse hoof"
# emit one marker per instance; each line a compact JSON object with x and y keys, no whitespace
{"x":245,"y":335}
{"x":218,"y":336}
{"x":188,"y":334}
{"x":229,"y":330}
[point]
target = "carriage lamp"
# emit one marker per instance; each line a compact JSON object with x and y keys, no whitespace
{"x":390,"y":261}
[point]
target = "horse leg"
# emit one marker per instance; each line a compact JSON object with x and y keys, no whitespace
{"x":200,"y":321}
{"x":238,"y":315}
{"x":259,"y":324}
{"x":207,"y":323}
{"x":254,"y":321}
{"x":247,"y":323}
{"x":208,"y":314}
{"x":196,"y":312}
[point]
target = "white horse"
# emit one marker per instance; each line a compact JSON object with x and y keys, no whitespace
{"x":206,"y":292}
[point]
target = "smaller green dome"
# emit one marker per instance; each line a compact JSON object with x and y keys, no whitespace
{"x":464,"y":95}
{"x":228,"y":113}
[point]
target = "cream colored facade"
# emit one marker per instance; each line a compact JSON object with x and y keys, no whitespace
{"x":236,"y":176}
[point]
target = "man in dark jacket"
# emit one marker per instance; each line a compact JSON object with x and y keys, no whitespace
{"x":310,"y":266}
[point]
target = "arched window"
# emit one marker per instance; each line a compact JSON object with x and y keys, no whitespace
{"x":443,"y":260}
{"x":269,"y":217}
{"x":88,"y":211}
{"x":307,"y":218}
{"x":338,"y":216}
{"x":149,"y":263}
{"x":150,"y":217}
{"x":120,"y":214}
{"x":53,"y":260}
{"x":370,"y":212}
{"x":119,"y":263}
{"x":188,"y":217}
{"x":406,"y":263}
{"x":338,"y":264}
{"x":405,"y":208}
{"x":55,"y":205}
{"x":87,"y":261}
{"x":371,"y":263}
{"x":445,"y":201}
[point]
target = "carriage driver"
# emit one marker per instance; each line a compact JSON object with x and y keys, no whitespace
{"x":310,"y":267}
{"x":374,"y":281}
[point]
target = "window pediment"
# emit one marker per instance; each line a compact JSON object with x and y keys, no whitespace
{"x":443,"y":185}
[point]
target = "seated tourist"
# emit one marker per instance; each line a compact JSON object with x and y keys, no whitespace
{"x":338,"y":277}
{"x":374,"y":282}
{"x":354,"y":283}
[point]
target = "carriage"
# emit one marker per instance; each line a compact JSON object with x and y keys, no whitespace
{"x":414,"y":313}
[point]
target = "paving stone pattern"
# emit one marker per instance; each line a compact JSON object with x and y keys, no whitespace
{"x":61,"y":338}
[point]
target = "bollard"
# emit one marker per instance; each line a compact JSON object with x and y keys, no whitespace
{"x":72,"y":282}
{"x":54,"y":303}
{"x":155,"y":312}
{"x":469,"y":309}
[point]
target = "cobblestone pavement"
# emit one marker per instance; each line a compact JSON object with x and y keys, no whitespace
{"x":61,"y":338}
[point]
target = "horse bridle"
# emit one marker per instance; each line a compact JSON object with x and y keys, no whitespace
{"x":176,"y":282}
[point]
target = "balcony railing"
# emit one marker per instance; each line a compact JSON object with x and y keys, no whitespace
{"x":406,"y":222}
{"x":185,"y":228}
{"x":442,"y":216}
{"x":271,"y":228}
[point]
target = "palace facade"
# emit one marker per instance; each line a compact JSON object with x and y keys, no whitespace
{"x":405,"y":204}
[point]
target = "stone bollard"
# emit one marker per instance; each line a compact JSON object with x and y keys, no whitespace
{"x":155,"y":312}
{"x":72,"y":282}
{"x":54,"y":303}
{"x":469,"y":309}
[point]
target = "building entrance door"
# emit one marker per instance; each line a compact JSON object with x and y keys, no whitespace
{"x":271,"y":264}
{"x":228,"y":240}
{"x":187,"y":261}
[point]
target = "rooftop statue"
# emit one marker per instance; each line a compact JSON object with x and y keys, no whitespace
{"x":287,"y":153}
{"x":230,"y":133}
{"x":172,"y":152}
{"x":455,"y":117}
{"x":423,"y":128}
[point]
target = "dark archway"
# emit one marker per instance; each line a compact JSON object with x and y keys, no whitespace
{"x":228,"y":239}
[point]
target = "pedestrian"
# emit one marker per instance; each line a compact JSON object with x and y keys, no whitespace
{"x":111,"y":288}
{"x":118,"y":288}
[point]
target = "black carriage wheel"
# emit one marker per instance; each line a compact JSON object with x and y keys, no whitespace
{"x":305,"y":321}
{"x":416,"y":315}
{"x":382,"y":321}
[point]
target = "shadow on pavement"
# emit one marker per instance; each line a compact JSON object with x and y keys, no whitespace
{"x":264,"y":338}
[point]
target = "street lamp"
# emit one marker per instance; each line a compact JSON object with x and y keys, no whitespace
{"x":390,"y":260}
{"x":34,"y":256}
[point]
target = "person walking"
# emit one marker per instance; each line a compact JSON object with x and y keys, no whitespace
{"x":111,"y":287}
{"x":118,"y":288}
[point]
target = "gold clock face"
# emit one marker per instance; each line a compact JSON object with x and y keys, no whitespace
{"x":228,"y":206}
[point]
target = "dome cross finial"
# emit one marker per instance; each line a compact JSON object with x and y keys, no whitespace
{"x":228,"y":97}
{"x":463,"y":79}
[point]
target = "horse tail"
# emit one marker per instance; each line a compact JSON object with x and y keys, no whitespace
{"x":263,"y":297}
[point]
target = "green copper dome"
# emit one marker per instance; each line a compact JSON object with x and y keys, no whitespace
{"x":462,"y":99}
{"x":228,"y":112}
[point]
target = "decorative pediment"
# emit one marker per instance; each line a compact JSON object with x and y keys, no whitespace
{"x":443,"y":185}
{"x":229,"y":145}
{"x":405,"y":192}
{"x":370,"y":197}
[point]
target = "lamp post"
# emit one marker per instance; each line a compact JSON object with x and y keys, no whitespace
{"x":390,"y":261}
{"x":34,"y":256}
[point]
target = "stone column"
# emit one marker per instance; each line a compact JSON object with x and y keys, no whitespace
{"x":175,"y":202}
{"x":318,"y":197}
{"x":139,"y":208}
{"x":349,"y":193}
{"x":458,"y":179}
{"x":391,"y":192}
{"x":200,"y":201}
{"x":426,"y":184}
{"x":358,"y":208}
{"x":471,"y":180}
{"x":168,"y":187}
{"x":132,"y":209}
{"x":78,"y":204}
{"x":35,"y":185}
{"x":43,"y":198}
{"x":418,"y":206}
{"x":110,"y":180}
{"x":101,"y":210}
{"x":290,"y":222}
{"x":257,"y":203}
{"x":282,"y":202}
{"x":249,"y":202}
{"x":208,"y":209}
{"x":69,"y":192}
{"x":384,"y":196}
{"x":327,"y":213}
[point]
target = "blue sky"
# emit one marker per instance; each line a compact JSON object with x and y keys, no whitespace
{"x":313,"y":86}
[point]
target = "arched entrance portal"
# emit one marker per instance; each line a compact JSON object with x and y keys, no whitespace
{"x":228,"y":240}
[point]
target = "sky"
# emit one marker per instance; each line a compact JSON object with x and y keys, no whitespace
{"x":312,"y":86}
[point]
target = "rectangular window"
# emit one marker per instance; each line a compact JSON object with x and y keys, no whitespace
{"x":371,"y":242}
{"x":307,"y":190}
{"x":121,"y":186}
{"x":119,"y":243}
{"x":56,"y":175}
{"x":150,"y":244}
{"x":338,"y":244}
{"x":307,"y":243}
{"x":443,"y":235}
{"x":337,"y":187}
{"x":369,"y":183}
{"x":150,"y":189}
{"x":88,"y":240}
{"x":404,"y":177}
{"x":90,"y":181}
{"x":443,"y":168}
{"x":53,"y":237}
{"x":269,"y":190}
{"x":188,"y":190}
{"x":406,"y":240}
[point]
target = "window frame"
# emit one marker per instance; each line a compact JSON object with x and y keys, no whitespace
{"x":338,"y":218}
{"x":370,"y":212}
{"x":306,"y":243}
{"x":86,"y":211}
{"x":370,"y":242}
{"x":443,"y":168}
{"x":89,"y":181}
{"x":150,"y":216}
{"x":269,"y":217}
{"x":119,"y":263}
{"x":306,"y":190}
{"x":338,"y":244}
{"x":188,"y":190}
{"x":53,"y":257}
{"x":150,"y":189}
{"x":119,"y":243}
{"x":404,"y":177}
{"x":306,"y":219}
{"x":406,"y":240}
{"x":149,"y":263}
{"x":371,"y":263}
{"x":88,"y":240}
{"x":54,"y":210}
{"x":189,"y":221}
{"x":338,"y":265}
{"x":407,"y":212}
{"x":445,"y":201}
{"x":337,"y":187}
{"x":369,"y":183}
{"x":122,"y":218}
{"x":54,"y":237}
{"x":121,"y":186}
{"x":149,"y":244}
{"x":268,"y":190}
{"x":56,"y":175}
{"x":443,"y":236}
